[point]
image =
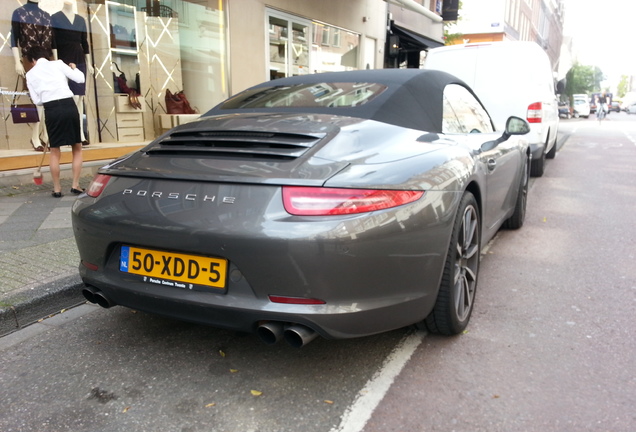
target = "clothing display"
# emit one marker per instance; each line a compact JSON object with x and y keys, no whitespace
{"x":72,"y":44}
{"x":31,"y":26}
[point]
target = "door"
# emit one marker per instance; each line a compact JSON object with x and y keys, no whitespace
{"x":289,"y":41}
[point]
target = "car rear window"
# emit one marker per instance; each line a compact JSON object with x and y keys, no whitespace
{"x":331,"y":95}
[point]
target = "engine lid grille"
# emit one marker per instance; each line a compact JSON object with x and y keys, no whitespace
{"x":241,"y":144}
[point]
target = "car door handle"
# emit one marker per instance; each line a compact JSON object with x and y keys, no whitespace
{"x":492,"y":164}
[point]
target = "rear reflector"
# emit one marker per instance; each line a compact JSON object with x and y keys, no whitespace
{"x":315,"y":201}
{"x":90,"y":266}
{"x":535,"y":112}
{"x":295,"y":300}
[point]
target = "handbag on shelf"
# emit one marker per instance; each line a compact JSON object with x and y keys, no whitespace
{"x":23,"y":113}
{"x":121,"y":86}
{"x":177,"y":103}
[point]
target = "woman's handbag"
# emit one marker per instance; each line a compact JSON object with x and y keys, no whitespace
{"x":121,"y":86}
{"x":23,"y":113}
{"x":177,"y":103}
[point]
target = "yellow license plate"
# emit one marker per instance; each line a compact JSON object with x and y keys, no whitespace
{"x":184,"y":270}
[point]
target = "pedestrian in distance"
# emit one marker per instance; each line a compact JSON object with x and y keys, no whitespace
{"x":47,"y":82}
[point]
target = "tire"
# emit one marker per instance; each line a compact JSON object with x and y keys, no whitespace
{"x":456,"y":295}
{"x":515,"y":221}
{"x":552,"y":153}
{"x":537,"y":167}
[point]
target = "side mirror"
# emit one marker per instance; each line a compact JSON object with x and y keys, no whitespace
{"x":514,"y":126}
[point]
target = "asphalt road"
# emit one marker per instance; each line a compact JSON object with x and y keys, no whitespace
{"x":550,"y":346}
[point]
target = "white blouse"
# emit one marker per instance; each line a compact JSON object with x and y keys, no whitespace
{"x":48,"y":80}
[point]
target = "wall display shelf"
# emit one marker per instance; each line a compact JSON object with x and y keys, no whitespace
{"x":146,"y":50}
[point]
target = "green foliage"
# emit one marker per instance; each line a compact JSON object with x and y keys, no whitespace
{"x":623,"y":86}
{"x":583,"y":79}
{"x":450,"y":37}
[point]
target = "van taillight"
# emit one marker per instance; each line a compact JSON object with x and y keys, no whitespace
{"x":535,"y":112}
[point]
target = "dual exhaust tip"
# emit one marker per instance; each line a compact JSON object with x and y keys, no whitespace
{"x":96,"y":296}
{"x":270,"y":332}
{"x":296,"y":335}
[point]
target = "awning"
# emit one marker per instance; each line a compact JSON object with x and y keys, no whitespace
{"x":411,"y":40}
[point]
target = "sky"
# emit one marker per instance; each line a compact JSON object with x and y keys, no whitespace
{"x":604,"y":34}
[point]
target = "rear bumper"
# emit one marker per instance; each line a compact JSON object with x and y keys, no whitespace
{"x":245,"y":312}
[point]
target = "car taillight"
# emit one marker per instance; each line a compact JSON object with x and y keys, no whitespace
{"x":535,"y":112}
{"x":316,"y":201}
{"x":97,"y":185}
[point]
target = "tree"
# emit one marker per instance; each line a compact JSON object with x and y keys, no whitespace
{"x":450,"y":36}
{"x":583,"y":79}
{"x":623,"y":86}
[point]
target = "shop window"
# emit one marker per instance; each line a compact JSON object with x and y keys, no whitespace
{"x":339,"y":53}
{"x":313,"y":47}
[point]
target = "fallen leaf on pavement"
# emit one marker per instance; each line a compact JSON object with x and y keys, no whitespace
{"x":256,"y":393}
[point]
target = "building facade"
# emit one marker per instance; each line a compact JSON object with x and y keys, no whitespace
{"x":540,"y":21}
{"x":207,"y":49}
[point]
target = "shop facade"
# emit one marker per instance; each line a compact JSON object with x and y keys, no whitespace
{"x":208,"y":49}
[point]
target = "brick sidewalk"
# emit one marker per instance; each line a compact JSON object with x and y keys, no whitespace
{"x":38,"y":255}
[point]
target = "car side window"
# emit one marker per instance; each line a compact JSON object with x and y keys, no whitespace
{"x":472,"y":117}
{"x":450,"y":122}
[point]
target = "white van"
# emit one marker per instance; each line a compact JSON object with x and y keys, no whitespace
{"x":510,"y":78}
{"x":581,"y":105}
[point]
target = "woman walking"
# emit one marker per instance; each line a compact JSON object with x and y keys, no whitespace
{"x":48,"y":86}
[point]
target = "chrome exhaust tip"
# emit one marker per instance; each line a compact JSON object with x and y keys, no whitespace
{"x":299,"y":335}
{"x":270,"y":332}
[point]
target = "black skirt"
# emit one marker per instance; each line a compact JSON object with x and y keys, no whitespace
{"x":62,"y":122}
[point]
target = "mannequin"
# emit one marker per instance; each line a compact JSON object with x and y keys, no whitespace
{"x":30,"y":26}
{"x":71,"y":39}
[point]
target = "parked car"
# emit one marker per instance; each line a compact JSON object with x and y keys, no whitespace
{"x":510,"y":78}
{"x":631,"y":109}
{"x":337,"y":204}
{"x":581,"y":108}
{"x":564,"y":110}
{"x":614,"y":106}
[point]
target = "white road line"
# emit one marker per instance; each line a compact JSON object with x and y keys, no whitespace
{"x":358,"y":414}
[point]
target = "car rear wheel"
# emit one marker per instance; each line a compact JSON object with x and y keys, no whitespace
{"x":515,"y":221}
{"x":456,"y":295}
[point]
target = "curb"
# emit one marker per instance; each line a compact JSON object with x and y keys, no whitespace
{"x":50,"y":298}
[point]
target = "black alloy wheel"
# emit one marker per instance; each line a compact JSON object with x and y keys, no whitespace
{"x":456,"y":295}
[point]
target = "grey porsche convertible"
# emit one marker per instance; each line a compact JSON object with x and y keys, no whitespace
{"x":338,"y":205}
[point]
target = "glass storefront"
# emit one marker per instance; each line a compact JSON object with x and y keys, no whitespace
{"x":139,"y":47}
{"x":149,"y":48}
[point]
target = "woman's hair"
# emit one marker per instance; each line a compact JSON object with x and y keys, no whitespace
{"x":37,"y":52}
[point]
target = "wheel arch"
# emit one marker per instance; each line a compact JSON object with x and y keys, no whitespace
{"x":474,"y":188}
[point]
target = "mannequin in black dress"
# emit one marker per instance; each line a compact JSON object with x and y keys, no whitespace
{"x":72,"y":47}
{"x":30,"y":26}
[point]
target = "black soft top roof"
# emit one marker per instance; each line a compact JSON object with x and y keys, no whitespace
{"x":413,"y":98}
